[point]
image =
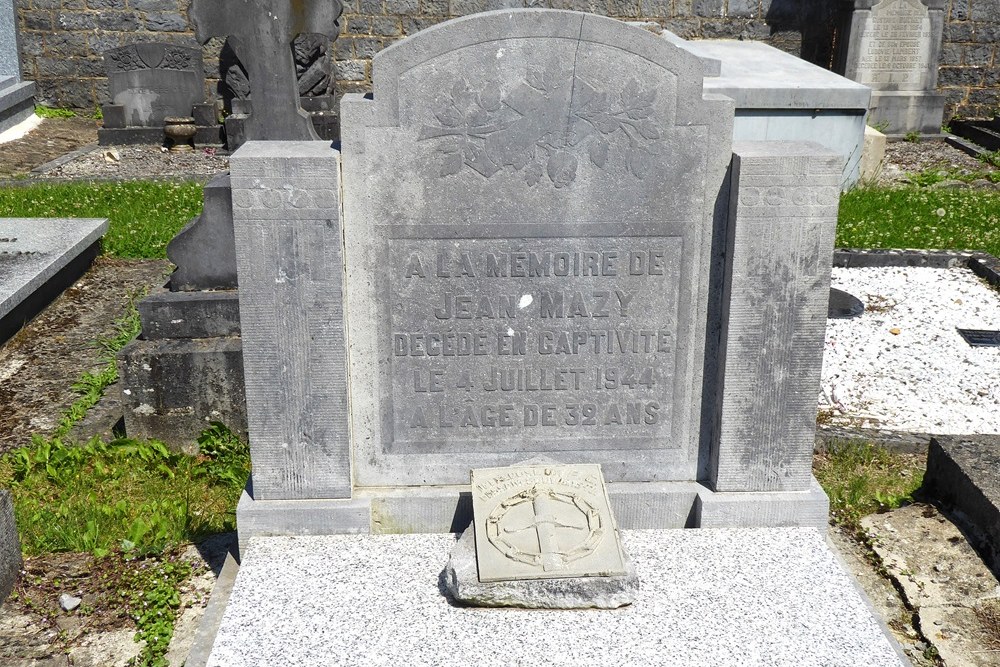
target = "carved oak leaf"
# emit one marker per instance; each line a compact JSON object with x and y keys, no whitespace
{"x":491,"y":98}
{"x":599,"y":152}
{"x":648,"y":130}
{"x":605,"y":123}
{"x":449,"y":116}
{"x":639,"y":162}
{"x":533,"y":173}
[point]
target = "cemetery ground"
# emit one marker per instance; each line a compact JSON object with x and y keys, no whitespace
{"x":111,"y":521}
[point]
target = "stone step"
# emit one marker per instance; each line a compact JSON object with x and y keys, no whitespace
{"x":723,"y":597}
{"x":963,"y":472}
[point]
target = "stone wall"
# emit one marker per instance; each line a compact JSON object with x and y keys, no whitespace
{"x":970,"y":58}
{"x":63,"y":39}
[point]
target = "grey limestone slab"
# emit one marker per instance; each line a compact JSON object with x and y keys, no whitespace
{"x":542,"y":522}
{"x":964,"y":473}
{"x":174,"y":388}
{"x":780,"y":97}
{"x":153,"y":81}
{"x":289,"y":256}
{"x":256,"y":519}
{"x":763,"y":597}
{"x":201,"y":314}
{"x":17,"y":103}
{"x":529,"y":222}
{"x":10,"y":546}
{"x":465,"y":583}
{"x":776,"y":294}
{"x":758,"y":76}
{"x":34,"y":250}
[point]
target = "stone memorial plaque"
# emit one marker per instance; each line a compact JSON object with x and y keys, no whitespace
{"x":544,"y":522}
{"x":566,"y":340}
{"x":154,"y":81}
{"x":895,"y":46}
{"x":528,"y":230}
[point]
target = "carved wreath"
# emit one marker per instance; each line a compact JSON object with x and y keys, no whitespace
{"x":542,"y":126}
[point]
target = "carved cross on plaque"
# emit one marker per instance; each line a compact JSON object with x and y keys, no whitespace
{"x":261,"y":32}
{"x":543,"y":521}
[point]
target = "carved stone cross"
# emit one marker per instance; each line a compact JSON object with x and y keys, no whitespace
{"x":261,"y":32}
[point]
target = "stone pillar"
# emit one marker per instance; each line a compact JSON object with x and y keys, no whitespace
{"x":290,"y":264}
{"x":10,"y":546}
{"x":782,"y":223}
{"x":17,"y":98}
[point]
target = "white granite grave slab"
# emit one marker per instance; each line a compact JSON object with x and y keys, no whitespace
{"x":32,"y":250}
{"x":722,"y":597}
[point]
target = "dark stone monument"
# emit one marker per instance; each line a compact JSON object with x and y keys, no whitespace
{"x":844,"y":305}
{"x":190,"y":333}
{"x":893,"y":46}
{"x":261,"y":34}
{"x":149,"y":83}
{"x":313,"y":67}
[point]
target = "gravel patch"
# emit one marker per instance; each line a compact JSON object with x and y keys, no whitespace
{"x":139,"y":162}
{"x":904,"y":157}
{"x":902,"y":365}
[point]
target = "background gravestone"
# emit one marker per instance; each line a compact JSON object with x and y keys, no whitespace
{"x":313,"y":71}
{"x":261,"y":34}
{"x":894,"y":46}
{"x":17,"y":101}
{"x":149,"y":82}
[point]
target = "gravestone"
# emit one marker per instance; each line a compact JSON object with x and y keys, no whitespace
{"x":893,"y":46}
{"x":191,"y":334}
{"x":261,"y":33}
{"x":550,"y":247}
{"x":17,"y":98}
{"x":314,"y":74}
{"x":10,"y":546}
{"x":148,"y":83}
{"x":39,"y":258}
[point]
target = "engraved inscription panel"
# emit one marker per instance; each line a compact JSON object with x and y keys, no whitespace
{"x":544,"y":522}
{"x":896,"y":45}
{"x":559,"y":343}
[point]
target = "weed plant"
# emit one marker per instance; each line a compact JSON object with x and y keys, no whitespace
{"x":128,"y":495}
{"x":920,"y":219}
{"x":143,"y":215}
{"x":862,"y":478}
{"x":53,"y":112}
{"x":91,"y":385}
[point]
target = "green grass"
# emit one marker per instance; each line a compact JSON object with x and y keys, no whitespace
{"x":54,"y":112}
{"x":920,"y":219}
{"x":91,"y":385}
{"x":863,"y":478}
{"x":143,"y":215}
{"x":124,"y":495}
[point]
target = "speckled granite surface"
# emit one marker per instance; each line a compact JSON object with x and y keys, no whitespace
{"x":722,"y":597}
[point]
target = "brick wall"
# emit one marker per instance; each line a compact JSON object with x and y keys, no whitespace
{"x":63,"y":39}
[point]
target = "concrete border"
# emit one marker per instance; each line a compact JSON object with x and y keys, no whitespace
{"x":204,"y":637}
{"x":10,"y":546}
